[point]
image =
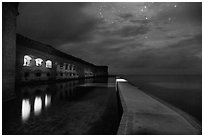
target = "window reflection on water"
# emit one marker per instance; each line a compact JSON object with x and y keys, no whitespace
{"x":37,"y":105}
{"x":47,"y":100}
{"x":26,"y":108}
{"x":37,"y":98}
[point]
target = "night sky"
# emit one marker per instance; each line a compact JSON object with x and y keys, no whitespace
{"x":131,"y":38}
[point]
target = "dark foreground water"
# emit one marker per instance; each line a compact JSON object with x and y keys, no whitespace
{"x":181,"y":91}
{"x":72,"y":107}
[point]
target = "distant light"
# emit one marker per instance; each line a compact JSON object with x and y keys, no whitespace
{"x":146,"y":18}
{"x":175,"y":6}
{"x":145,"y":6}
{"x":121,"y":80}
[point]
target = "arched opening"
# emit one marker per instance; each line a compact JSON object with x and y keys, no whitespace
{"x":27,"y":60}
{"x":48,"y":64}
{"x":38,"y":62}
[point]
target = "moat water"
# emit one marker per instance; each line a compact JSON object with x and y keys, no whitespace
{"x":73,"y":107}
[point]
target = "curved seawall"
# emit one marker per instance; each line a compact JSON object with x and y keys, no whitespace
{"x":145,"y":115}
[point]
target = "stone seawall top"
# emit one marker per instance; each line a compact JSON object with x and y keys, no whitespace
{"x":145,"y":115}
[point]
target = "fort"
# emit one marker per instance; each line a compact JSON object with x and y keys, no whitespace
{"x":40,"y":62}
{"x":26,"y":60}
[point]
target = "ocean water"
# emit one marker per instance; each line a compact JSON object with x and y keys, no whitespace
{"x":181,"y":91}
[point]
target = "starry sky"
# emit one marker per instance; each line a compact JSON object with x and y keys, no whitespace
{"x":131,"y":38}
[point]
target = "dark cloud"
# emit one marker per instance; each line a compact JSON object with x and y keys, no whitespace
{"x":185,"y":12}
{"x":171,"y":37}
{"x":55,"y":23}
{"x":181,"y":55}
{"x":126,"y":16}
{"x":113,"y":41}
{"x":192,"y":11}
{"x":132,"y":30}
{"x":132,"y":19}
{"x":160,"y":28}
{"x":145,"y":22}
{"x":126,"y":31}
{"x":195,"y":42}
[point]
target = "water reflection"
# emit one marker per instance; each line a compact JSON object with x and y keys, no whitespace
{"x":37,"y":105}
{"x":26,"y":108}
{"x":89,"y":80}
{"x":47,"y":100}
{"x":36,"y":102}
{"x":36,"y":98}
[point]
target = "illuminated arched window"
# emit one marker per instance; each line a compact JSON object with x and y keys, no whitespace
{"x":48,"y":64}
{"x":38,"y":62}
{"x":69,"y":66}
{"x":27,"y":60}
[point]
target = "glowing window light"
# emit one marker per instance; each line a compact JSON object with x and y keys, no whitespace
{"x":27,"y":60}
{"x":121,"y":80}
{"x":47,"y":100}
{"x":25,"y":109}
{"x":38,"y":62}
{"x":48,"y":64}
{"x":37,"y":105}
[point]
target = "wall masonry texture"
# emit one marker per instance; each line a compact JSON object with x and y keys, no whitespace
{"x":9,"y":13}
